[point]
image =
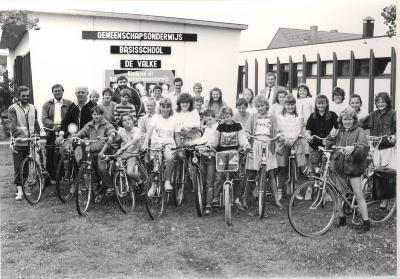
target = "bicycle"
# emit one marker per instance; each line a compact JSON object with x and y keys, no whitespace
{"x":262,"y":173}
{"x":315,"y":216}
{"x":84,"y":186}
{"x":376,"y":212}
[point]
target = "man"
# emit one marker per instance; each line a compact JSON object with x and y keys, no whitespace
{"x":197,"y":89}
{"x":271,"y":88}
{"x":122,"y":83}
{"x":23,"y":123}
{"x":53,"y":112}
{"x":78,"y":113}
{"x":173,"y":96}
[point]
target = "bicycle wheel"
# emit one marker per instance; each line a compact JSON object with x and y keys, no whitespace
{"x":65,"y":179}
{"x":178,"y":182}
{"x":31,"y":180}
{"x":83,"y":191}
{"x":379,"y":211}
{"x":198,"y":191}
{"x":228,"y":203}
{"x":124,"y":192}
{"x":155,"y":199}
{"x":315,"y":216}
{"x":262,"y":191}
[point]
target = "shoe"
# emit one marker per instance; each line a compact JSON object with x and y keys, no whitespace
{"x":238,"y":204}
{"x":279,"y":194}
{"x":151,"y":191}
{"x":342,"y":221}
{"x":215,"y":201}
{"x":72,"y":189}
{"x":364,"y":227}
{"x":299,"y":197}
{"x":328,"y":198}
{"x":207,"y":211}
{"x":278,"y":204}
{"x":109,"y":191}
{"x":245,"y":205}
{"x":19,"y":196}
{"x":168,"y":186}
{"x":307,"y":197}
{"x":383,"y":205}
{"x":98,"y":198}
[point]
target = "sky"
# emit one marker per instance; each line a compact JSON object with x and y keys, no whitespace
{"x":262,"y":17}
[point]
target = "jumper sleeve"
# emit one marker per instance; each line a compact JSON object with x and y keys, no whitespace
{"x":84,"y":132}
{"x":12,"y":117}
{"x":242,"y":138}
{"x":214,"y":139}
{"x":362,"y":141}
{"x":46,"y":118}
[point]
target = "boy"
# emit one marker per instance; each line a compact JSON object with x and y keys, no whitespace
{"x":108,"y":106}
{"x":124,"y":107}
{"x":198,"y":104}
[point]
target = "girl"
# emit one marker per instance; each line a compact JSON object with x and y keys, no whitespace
{"x":356,"y":103}
{"x":161,"y":133}
{"x":108,"y":106}
{"x":291,"y":126}
{"x":94,"y":96}
{"x":229,"y":135}
{"x":242,"y":115}
{"x":338,"y":97}
{"x":279,"y":103}
{"x":215,"y":102}
{"x":352,"y":162}
{"x":261,"y":124}
{"x":248,"y":95}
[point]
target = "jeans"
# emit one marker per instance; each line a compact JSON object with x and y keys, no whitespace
{"x":51,"y":157}
{"x":22,"y":153}
{"x":207,"y":166}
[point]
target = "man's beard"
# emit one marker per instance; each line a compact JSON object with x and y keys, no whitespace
{"x":122,"y":86}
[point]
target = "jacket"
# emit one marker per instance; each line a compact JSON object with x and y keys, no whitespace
{"x":381,"y":124}
{"x":77,"y":116}
{"x":48,"y":112}
{"x":21,"y":123}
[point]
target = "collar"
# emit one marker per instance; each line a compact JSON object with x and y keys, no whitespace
{"x":61,"y":101}
{"x":76,"y":102}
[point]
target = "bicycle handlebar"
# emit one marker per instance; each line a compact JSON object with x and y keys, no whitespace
{"x":263,"y":135}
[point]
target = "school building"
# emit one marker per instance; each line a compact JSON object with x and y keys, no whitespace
{"x":358,"y":63}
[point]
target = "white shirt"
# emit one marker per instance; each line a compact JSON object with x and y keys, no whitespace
{"x":290,"y":125}
{"x":187,"y":119}
{"x":57,"y":111}
{"x":164,"y":129}
{"x":337,"y":108}
{"x":173,"y":96}
{"x":133,"y":135}
{"x":271,"y":95}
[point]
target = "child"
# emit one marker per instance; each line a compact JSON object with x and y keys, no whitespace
{"x":352,"y":162}
{"x":262,"y":124}
{"x":291,"y":126}
{"x":131,"y":138}
{"x":143,"y":122}
{"x":161,"y":133}
{"x":207,"y":159}
{"x":124,"y":107}
{"x":279,"y":103}
{"x":338,"y":97}
{"x":157,"y":94}
{"x":215,"y":102}
{"x":242,"y":114}
{"x":94,"y":96}
{"x":356,"y":103}
{"x":320,"y":123}
{"x":248,"y":95}
{"x":229,"y":135}
{"x":108,"y":106}
{"x":198,"y":104}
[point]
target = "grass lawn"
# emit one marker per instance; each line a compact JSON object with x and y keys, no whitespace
{"x":50,"y":240}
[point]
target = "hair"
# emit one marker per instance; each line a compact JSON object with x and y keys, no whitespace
{"x":94,"y":93}
{"x":197,"y":98}
{"x":224,"y":111}
{"x":125,"y":92}
{"x":80,"y":88}
{"x":150,"y":100}
{"x":327,"y":114}
{"x":165,"y":102}
{"x":211,"y":100}
{"x":271,"y":74}
{"x":22,"y":88}
{"x":209,"y":112}
{"x":384,"y":96}
{"x":290,"y":99}
{"x":129,"y":115}
{"x":178,"y":79}
{"x":197,"y":84}
{"x":280,"y":91}
{"x":106,"y":90}
{"x":242,"y":101}
{"x":121,"y":78}
{"x":347,"y":112}
{"x":252,"y":93}
{"x":57,"y":86}
{"x":261,"y":99}
{"x":97,"y":109}
{"x":337,"y":91}
{"x":157,"y":87}
{"x":305,"y":86}
{"x":184,"y":98}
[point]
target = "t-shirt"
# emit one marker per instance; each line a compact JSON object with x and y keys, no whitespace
{"x":304,"y":108}
{"x":109,"y":111}
{"x":133,"y":135}
{"x":164,"y":129}
{"x":290,"y":125}
{"x":276,"y":109}
{"x":229,"y":137}
{"x":173,"y":96}
{"x":320,"y":126}
{"x":337,"y":108}
{"x":189,"y":119}
{"x":242,"y":120}
{"x":121,"y":109}
{"x":143,"y":123}
{"x":263,"y":125}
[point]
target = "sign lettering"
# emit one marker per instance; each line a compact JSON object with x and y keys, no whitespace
{"x":140,"y":50}
{"x":148,"y":64}
{"x":139,"y":36}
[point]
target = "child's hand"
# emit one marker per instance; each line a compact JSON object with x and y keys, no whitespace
{"x":348,"y":150}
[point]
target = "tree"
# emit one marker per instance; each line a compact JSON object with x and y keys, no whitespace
{"x":17,"y":17}
{"x":389,"y":14}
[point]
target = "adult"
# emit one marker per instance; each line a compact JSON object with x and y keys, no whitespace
{"x":23,"y":123}
{"x":135,"y":99}
{"x":271,"y":88}
{"x":53,"y":112}
{"x":173,"y":96}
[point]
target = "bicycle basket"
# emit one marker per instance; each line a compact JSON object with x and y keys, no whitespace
{"x":384,"y":183}
{"x":227,"y":161}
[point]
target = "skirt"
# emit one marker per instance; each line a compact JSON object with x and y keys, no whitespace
{"x":254,"y":158}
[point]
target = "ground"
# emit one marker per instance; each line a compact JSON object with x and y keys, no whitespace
{"x":50,"y":240}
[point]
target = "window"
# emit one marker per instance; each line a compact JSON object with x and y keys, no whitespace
{"x":327,"y":68}
{"x":311,"y":69}
{"x":284,"y":75}
{"x":272,"y":68}
{"x":382,"y":66}
{"x":241,"y":79}
{"x":362,"y":67}
{"x":344,"y":68}
{"x":298,"y":73}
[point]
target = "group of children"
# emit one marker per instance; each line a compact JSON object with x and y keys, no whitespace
{"x":292,"y":121}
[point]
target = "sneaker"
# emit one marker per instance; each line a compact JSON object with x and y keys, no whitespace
{"x":207,"y":211}
{"x":279,"y":194}
{"x":299,"y":197}
{"x":168,"y":186}
{"x":307,"y":197}
{"x":18,"y":197}
{"x":383,"y":205}
{"x":342,"y":221}
{"x":72,"y":188}
{"x":151,"y":191}
{"x":365,"y":226}
{"x":238,"y":204}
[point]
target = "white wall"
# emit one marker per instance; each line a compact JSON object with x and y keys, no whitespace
{"x":60,"y":55}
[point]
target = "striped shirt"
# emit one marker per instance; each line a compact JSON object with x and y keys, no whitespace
{"x":121,"y":109}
